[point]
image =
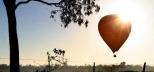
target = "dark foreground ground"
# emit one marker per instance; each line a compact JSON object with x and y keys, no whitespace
{"x":86,"y":68}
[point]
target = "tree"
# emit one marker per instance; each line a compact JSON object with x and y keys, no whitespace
{"x":57,"y":56}
{"x":70,"y":11}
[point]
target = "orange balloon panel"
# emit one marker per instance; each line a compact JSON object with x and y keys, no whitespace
{"x":114,"y":31}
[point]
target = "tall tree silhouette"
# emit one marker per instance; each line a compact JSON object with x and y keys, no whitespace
{"x":70,"y":11}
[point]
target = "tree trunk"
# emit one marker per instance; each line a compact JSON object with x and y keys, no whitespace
{"x":13,"y":39}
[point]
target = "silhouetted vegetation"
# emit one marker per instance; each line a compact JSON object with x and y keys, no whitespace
{"x":58,"y":56}
{"x":70,"y":11}
{"x":87,"y":68}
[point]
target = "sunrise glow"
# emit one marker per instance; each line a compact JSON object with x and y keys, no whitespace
{"x":124,"y":18}
{"x":38,"y":33}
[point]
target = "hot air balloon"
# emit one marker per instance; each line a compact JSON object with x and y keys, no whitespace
{"x":114,"y":31}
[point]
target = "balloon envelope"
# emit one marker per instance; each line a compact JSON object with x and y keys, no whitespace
{"x":114,"y":31}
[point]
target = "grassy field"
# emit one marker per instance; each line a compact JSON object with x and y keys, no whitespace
{"x":86,"y":68}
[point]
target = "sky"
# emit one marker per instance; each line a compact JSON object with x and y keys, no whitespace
{"x":38,"y":33}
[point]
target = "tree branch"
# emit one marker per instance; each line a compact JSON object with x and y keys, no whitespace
{"x":41,"y":1}
{"x":22,"y":2}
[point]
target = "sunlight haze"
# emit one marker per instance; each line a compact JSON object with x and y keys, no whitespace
{"x":38,"y":33}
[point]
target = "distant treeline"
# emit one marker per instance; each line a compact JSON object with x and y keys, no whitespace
{"x":87,"y":68}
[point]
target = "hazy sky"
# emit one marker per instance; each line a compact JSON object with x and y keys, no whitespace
{"x":38,"y":33}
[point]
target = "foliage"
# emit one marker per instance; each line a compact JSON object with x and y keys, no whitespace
{"x":58,"y":56}
{"x":70,"y":10}
{"x":75,"y":11}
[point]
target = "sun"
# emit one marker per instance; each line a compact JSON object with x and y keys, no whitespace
{"x":129,"y":10}
{"x":124,"y":18}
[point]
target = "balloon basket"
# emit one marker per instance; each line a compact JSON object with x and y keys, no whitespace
{"x":114,"y":55}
